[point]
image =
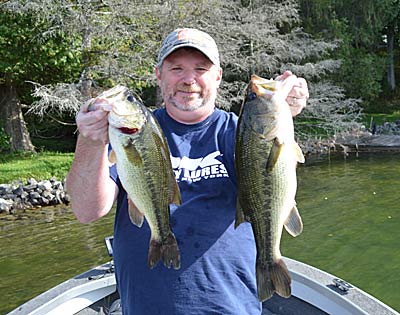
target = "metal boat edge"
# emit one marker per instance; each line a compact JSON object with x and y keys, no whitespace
{"x":313,"y":292}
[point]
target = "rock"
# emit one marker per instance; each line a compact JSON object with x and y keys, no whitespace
{"x":30,"y":187}
{"x":5,"y":205}
{"x":32,"y":181}
{"x":17,"y":195}
{"x":45,"y":185}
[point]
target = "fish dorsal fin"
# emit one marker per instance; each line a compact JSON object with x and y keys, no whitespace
{"x":135,"y":215}
{"x":112,"y":157}
{"x":293,"y":223}
{"x":274,"y":154}
{"x":298,"y":153}
{"x":174,"y":192}
{"x":240,"y":217}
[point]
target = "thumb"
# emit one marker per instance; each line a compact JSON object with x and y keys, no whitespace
{"x":286,"y":86}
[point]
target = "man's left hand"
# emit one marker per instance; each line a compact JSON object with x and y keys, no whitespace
{"x":298,"y":96}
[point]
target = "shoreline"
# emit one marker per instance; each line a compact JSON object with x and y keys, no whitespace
{"x":18,"y":196}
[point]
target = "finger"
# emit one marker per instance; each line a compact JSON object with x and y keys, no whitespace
{"x":95,"y":132}
{"x":286,"y":86}
{"x":300,"y":89}
{"x":90,"y":118}
{"x":296,"y":105}
{"x":284,"y":75}
{"x":95,"y":104}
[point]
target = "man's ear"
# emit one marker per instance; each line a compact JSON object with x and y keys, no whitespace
{"x":158,"y":75}
{"x":219,"y":78}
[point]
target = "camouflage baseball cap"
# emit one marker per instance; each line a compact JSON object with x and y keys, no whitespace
{"x":189,"y":37}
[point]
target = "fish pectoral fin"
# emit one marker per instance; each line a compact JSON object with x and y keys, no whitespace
{"x":293,"y":223}
{"x":274,"y":154}
{"x":112,"y":158}
{"x":240,"y":217}
{"x":133,"y":155}
{"x":298,"y":153}
{"x":135,"y":215}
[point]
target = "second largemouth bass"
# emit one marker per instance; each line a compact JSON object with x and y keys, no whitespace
{"x":266,"y":156}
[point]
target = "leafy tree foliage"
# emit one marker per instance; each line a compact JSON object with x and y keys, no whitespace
{"x":117,"y":42}
{"x":369,"y":37}
{"x":26,"y":55}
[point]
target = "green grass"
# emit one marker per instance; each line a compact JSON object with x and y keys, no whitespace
{"x":380,"y":119}
{"x":43,"y":165}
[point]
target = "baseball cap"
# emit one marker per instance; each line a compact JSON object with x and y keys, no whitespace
{"x":189,"y":37}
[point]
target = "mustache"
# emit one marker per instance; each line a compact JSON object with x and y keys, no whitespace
{"x":189,"y":88}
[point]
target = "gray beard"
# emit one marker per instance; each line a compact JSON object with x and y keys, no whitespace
{"x":190,"y":108}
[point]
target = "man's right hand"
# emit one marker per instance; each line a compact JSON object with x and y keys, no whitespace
{"x":93,"y":124}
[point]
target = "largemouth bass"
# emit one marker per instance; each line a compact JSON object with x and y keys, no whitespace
{"x":141,"y":153}
{"x":266,"y":156}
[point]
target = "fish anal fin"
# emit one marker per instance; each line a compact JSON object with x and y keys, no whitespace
{"x":272,"y":278}
{"x":135,"y":215}
{"x":298,"y":153}
{"x":276,"y":149}
{"x":293,"y":223}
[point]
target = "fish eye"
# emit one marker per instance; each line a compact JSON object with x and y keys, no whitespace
{"x":252,"y":96}
{"x":130,"y":98}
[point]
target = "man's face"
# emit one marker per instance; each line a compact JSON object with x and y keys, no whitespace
{"x":188,"y":80}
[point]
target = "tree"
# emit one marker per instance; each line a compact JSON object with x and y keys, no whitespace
{"x":369,"y":35}
{"x":120,"y":40}
{"x":265,"y":38}
{"x":27,"y":56}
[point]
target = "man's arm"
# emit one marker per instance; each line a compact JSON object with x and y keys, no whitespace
{"x":88,"y":183}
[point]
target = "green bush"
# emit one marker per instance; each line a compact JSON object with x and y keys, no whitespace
{"x":4,"y":141}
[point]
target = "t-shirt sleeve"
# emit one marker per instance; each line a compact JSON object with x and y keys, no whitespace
{"x":113,"y":170}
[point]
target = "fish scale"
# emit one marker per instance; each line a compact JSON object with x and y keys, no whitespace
{"x":265,"y":159}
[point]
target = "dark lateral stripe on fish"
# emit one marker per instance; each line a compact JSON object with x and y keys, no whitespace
{"x":128,"y":131}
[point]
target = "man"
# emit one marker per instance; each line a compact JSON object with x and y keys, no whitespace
{"x":217,"y":274}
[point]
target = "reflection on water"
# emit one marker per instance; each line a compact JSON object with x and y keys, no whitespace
{"x":351,"y":215}
{"x":350,"y":210}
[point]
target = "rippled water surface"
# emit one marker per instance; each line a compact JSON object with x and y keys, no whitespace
{"x":350,"y":209}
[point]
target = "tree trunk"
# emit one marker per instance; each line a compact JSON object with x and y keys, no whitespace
{"x":390,"y":47}
{"x":12,"y":120}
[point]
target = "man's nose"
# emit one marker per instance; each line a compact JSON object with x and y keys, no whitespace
{"x":189,"y":77}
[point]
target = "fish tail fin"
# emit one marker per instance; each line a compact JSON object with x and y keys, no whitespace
{"x":167,"y":251}
{"x":272,"y":278}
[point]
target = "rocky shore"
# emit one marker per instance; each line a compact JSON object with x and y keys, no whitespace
{"x":32,"y":194}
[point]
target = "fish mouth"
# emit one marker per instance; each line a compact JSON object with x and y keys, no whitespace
{"x":261,"y":86}
{"x":128,"y":131}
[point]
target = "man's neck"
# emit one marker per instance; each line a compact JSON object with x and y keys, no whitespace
{"x":190,"y":117}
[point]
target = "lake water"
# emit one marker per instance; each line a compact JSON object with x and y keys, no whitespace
{"x":350,"y":209}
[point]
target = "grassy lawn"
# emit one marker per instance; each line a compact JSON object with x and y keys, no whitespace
{"x":380,"y":119}
{"x":43,"y":165}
